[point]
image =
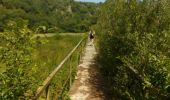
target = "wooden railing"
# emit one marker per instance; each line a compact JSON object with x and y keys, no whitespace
{"x":46,"y":84}
{"x":149,"y":88}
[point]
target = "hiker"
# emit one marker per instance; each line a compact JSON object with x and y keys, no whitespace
{"x":91,"y":36}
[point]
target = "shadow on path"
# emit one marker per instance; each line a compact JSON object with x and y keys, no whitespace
{"x":99,"y":85}
{"x":89,"y":83}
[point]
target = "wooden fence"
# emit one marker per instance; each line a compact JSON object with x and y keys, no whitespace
{"x":46,"y":84}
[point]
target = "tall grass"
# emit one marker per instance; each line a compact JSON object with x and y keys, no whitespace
{"x":48,"y":54}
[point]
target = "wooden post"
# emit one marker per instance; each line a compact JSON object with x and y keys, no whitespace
{"x":47,"y":91}
{"x":70,"y":72}
{"x":80,"y":53}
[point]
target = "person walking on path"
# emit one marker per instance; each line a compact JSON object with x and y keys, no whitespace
{"x":91,"y":36}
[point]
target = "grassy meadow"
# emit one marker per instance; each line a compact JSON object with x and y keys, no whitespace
{"x":49,"y":53}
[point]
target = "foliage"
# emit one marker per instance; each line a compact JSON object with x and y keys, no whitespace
{"x":15,"y":53}
{"x":135,"y":34}
{"x":41,"y":29}
{"x":66,"y":15}
{"x":28,"y":65}
{"x":46,"y":57}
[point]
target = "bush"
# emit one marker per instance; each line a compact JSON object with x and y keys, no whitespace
{"x":15,"y":51}
{"x":135,"y":35}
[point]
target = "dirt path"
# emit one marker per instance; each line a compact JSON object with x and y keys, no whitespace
{"x":89,"y":84}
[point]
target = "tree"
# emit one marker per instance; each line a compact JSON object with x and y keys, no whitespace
{"x":134,"y":35}
{"x":49,"y":13}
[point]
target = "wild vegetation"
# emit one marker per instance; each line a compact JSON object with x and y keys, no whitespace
{"x":48,"y":56}
{"x":133,"y":38}
{"x":26,"y":61}
{"x":134,"y":48}
{"x":15,"y":58}
{"x":49,"y":15}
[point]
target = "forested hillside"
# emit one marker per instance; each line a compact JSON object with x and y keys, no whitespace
{"x":134,"y":37}
{"x":49,"y":15}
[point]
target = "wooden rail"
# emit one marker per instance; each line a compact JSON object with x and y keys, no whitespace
{"x":46,"y":83}
{"x":148,"y":85}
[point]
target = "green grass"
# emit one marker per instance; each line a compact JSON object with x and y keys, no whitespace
{"x":47,"y":56}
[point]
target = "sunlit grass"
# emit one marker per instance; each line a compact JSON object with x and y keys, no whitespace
{"x":47,"y":56}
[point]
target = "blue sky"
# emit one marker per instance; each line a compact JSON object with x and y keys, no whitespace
{"x":97,"y":1}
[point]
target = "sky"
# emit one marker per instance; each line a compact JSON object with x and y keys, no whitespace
{"x":96,"y":1}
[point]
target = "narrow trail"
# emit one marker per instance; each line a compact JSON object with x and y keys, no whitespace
{"x":89,"y":84}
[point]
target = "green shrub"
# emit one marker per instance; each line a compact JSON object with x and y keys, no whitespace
{"x":15,"y":51}
{"x":135,"y":34}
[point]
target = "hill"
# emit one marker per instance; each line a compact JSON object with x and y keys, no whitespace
{"x":55,"y":15}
